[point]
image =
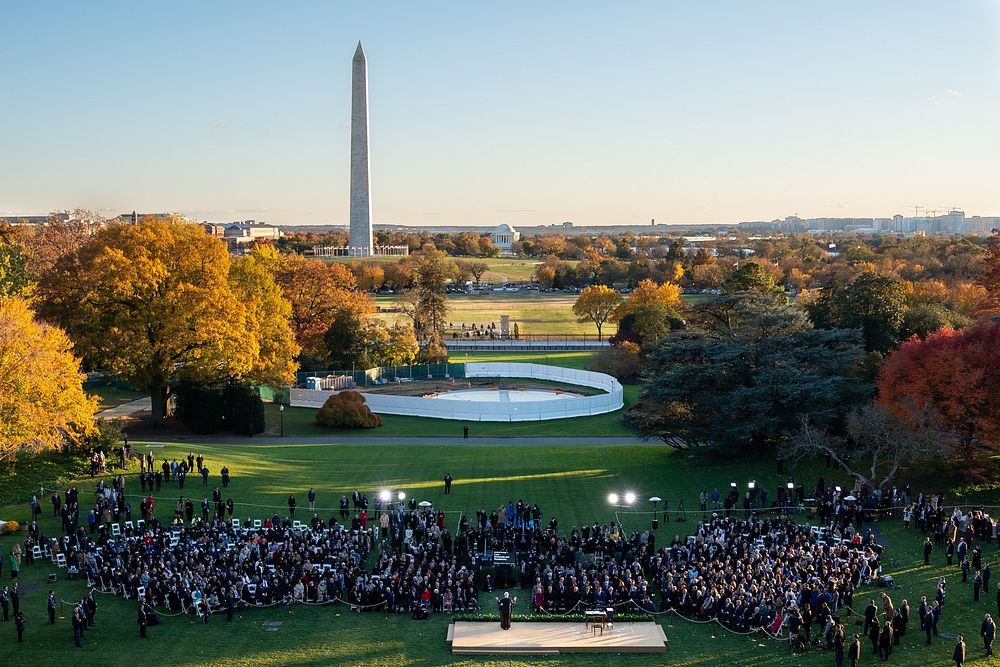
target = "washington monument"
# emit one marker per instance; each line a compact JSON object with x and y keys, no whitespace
{"x":360,"y":243}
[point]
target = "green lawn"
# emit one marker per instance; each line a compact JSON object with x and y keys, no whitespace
{"x":300,"y":421}
{"x":570,"y":482}
{"x":111,"y":396}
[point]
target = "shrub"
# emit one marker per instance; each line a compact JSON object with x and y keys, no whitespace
{"x":347,"y":409}
{"x":244,"y":409}
{"x":619,"y":361}
{"x":210,"y":408}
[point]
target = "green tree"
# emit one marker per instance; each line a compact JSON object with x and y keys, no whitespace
{"x":924,"y":318}
{"x":874,"y":303}
{"x":751,"y":277}
{"x":13,"y":269}
{"x":746,"y":375}
{"x":432,"y":270}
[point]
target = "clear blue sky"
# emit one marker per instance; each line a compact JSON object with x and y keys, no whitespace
{"x":519,"y":112}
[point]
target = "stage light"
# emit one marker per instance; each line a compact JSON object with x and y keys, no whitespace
{"x":613,"y":498}
{"x":752,"y":484}
{"x":732,"y":484}
{"x":385,"y":496}
{"x":791,"y":485}
{"x":837,"y":489}
{"x":629,"y":498}
{"x":401,"y":496}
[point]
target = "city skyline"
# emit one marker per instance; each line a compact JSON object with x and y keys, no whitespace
{"x":684,"y":115}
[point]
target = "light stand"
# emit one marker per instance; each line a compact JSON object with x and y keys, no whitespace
{"x":655,"y":500}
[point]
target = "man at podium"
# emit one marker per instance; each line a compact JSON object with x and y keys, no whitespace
{"x":506,"y":606}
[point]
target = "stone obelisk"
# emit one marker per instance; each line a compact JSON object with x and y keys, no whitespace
{"x":361,"y":211}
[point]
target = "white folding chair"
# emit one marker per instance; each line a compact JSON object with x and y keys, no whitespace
{"x":129,"y":525}
{"x":140,"y":524}
{"x":61,"y":560}
{"x":175,"y":539}
{"x":36,"y":551}
{"x":236,"y":524}
{"x":257,"y":524}
{"x":116,"y":530}
{"x":296,"y":525}
{"x":140,"y":592}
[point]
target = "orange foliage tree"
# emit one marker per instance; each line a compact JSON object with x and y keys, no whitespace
{"x":948,"y":378}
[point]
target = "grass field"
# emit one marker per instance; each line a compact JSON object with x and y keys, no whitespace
{"x":502,"y":269}
{"x":300,"y":421}
{"x":570,"y":482}
{"x":535,"y":313}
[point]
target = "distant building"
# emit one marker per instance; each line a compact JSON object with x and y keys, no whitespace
{"x":504,"y":237}
{"x":237,"y":235}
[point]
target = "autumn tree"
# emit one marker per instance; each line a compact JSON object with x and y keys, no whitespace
{"x":42,"y":401}
{"x":368,"y":275}
{"x":316,"y":291}
{"x":989,"y":278}
{"x":474,"y":269}
{"x":649,"y":312}
{"x":596,"y":304}
{"x":61,"y":234}
{"x":949,"y":380}
{"x":159,"y":301}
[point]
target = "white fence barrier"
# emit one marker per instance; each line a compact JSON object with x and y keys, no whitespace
{"x":419,"y":406}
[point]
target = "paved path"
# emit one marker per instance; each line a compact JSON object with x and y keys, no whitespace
{"x":379,"y":440}
{"x":144,"y":404}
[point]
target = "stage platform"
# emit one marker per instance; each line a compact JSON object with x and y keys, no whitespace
{"x":525,"y":638}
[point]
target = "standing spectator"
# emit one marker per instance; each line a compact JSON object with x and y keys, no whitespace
{"x":52,"y":607}
{"x":927,"y":550}
{"x":204,"y":475}
{"x":5,"y":604}
{"x":988,"y":632}
{"x":142,"y":619}
{"x":885,"y":640}
{"x":77,"y":627}
{"x":225,"y":476}
{"x":977,"y":586}
{"x":854,"y":652}
{"x":291,"y":506}
{"x":19,"y":626}
{"x":465,"y":432}
{"x":56,"y":504}
{"x":447,"y":483}
{"x":312,"y":499}
{"x":958,"y":655}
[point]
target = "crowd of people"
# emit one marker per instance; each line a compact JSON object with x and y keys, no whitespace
{"x":755,"y":570}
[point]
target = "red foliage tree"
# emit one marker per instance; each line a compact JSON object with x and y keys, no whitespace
{"x":990,"y":277}
{"x":949,"y":379}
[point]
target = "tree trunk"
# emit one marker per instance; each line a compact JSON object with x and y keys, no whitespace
{"x":161,"y":406}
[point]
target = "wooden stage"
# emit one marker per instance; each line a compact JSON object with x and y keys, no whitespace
{"x":526,"y":638}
